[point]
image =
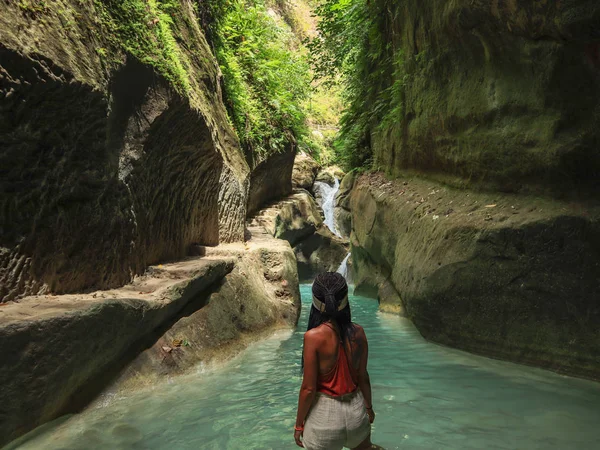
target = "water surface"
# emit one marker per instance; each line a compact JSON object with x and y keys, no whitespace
{"x":425,"y":397}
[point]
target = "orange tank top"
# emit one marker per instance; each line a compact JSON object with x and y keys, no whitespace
{"x":338,"y":381}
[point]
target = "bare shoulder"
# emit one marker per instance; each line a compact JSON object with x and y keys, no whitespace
{"x":313,"y":334}
{"x":360,"y":332}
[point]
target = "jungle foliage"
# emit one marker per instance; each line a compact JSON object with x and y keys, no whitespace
{"x":258,"y":44}
{"x":266,"y":74}
{"x":356,"y":47}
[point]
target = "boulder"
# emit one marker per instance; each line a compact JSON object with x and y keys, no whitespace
{"x":321,"y":252}
{"x":330,"y":174}
{"x":298,"y":220}
{"x":326,"y":176}
{"x":341,"y":212}
{"x":292,"y":219}
{"x":506,"y":276}
{"x":304,"y":172}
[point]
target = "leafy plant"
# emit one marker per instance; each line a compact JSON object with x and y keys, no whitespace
{"x":265,"y":78}
{"x":355,"y":47}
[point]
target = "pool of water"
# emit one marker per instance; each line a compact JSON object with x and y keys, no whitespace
{"x":425,"y":397}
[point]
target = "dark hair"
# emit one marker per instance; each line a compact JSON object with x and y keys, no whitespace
{"x":331,"y":288}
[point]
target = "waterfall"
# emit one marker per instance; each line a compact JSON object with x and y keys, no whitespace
{"x":327,"y":194}
{"x":343,"y":269}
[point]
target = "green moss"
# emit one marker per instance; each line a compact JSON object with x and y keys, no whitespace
{"x":146,"y":30}
{"x":33,"y":8}
{"x":449,"y":87}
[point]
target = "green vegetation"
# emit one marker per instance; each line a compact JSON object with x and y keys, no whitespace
{"x":145,"y":29}
{"x":271,"y":98}
{"x":266,"y":74}
{"x":269,"y":89}
{"x":356,"y":48}
{"x":268,"y":81}
{"x":33,"y":8}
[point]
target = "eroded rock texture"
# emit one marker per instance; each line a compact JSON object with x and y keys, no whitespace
{"x":299,"y":220}
{"x":61,"y":351}
{"x":259,"y":295}
{"x":106,"y":168}
{"x":304,"y":172}
{"x":341,"y":212}
{"x":507,"y":276}
{"x":501,"y":92}
{"x":271,"y":179}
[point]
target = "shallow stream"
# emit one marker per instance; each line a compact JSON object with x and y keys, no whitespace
{"x":425,"y":397}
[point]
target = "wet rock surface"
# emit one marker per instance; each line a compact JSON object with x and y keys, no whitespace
{"x":342,"y":212}
{"x":298,"y":219}
{"x":511,"y":277}
{"x":321,"y":252}
{"x":260,"y":294}
{"x":292,"y":219}
{"x":329,"y":175}
{"x":60,"y":351}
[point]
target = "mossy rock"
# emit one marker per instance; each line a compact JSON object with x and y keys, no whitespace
{"x":498,"y":95}
{"x":512,"y":277}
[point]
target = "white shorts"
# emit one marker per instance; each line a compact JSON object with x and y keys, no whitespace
{"x":336,"y":422}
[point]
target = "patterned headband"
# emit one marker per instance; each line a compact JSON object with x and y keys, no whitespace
{"x":321,"y":305}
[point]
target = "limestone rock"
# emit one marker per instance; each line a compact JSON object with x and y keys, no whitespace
{"x":259,"y":295}
{"x":298,"y":220}
{"x":321,"y":252}
{"x":519,"y":281}
{"x":271,"y":180}
{"x":108,"y":167}
{"x":305,"y":171}
{"x":59,"y":352}
{"x":389,"y":299}
{"x":329,"y":175}
{"x":292,"y":219}
{"x":505,"y":94}
{"x":342,"y":213}
{"x":325,"y":176}
{"x":343,"y":220}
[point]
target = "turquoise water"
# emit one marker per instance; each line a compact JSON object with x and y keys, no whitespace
{"x":425,"y":397}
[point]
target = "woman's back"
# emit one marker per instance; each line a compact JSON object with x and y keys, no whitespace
{"x":327,"y":340}
{"x":334,"y":404}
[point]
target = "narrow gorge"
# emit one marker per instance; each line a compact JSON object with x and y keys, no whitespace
{"x":176,"y":172}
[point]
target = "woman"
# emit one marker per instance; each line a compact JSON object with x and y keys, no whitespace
{"x":334,"y":406}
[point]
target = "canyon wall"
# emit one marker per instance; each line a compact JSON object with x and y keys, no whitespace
{"x":62,"y":351}
{"x":123,"y":207}
{"x":483,"y":224}
{"x":503,"y":94}
{"x":113,"y":157}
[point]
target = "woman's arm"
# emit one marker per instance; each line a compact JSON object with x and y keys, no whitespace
{"x":364,"y":381}
{"x":308,"y":390}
